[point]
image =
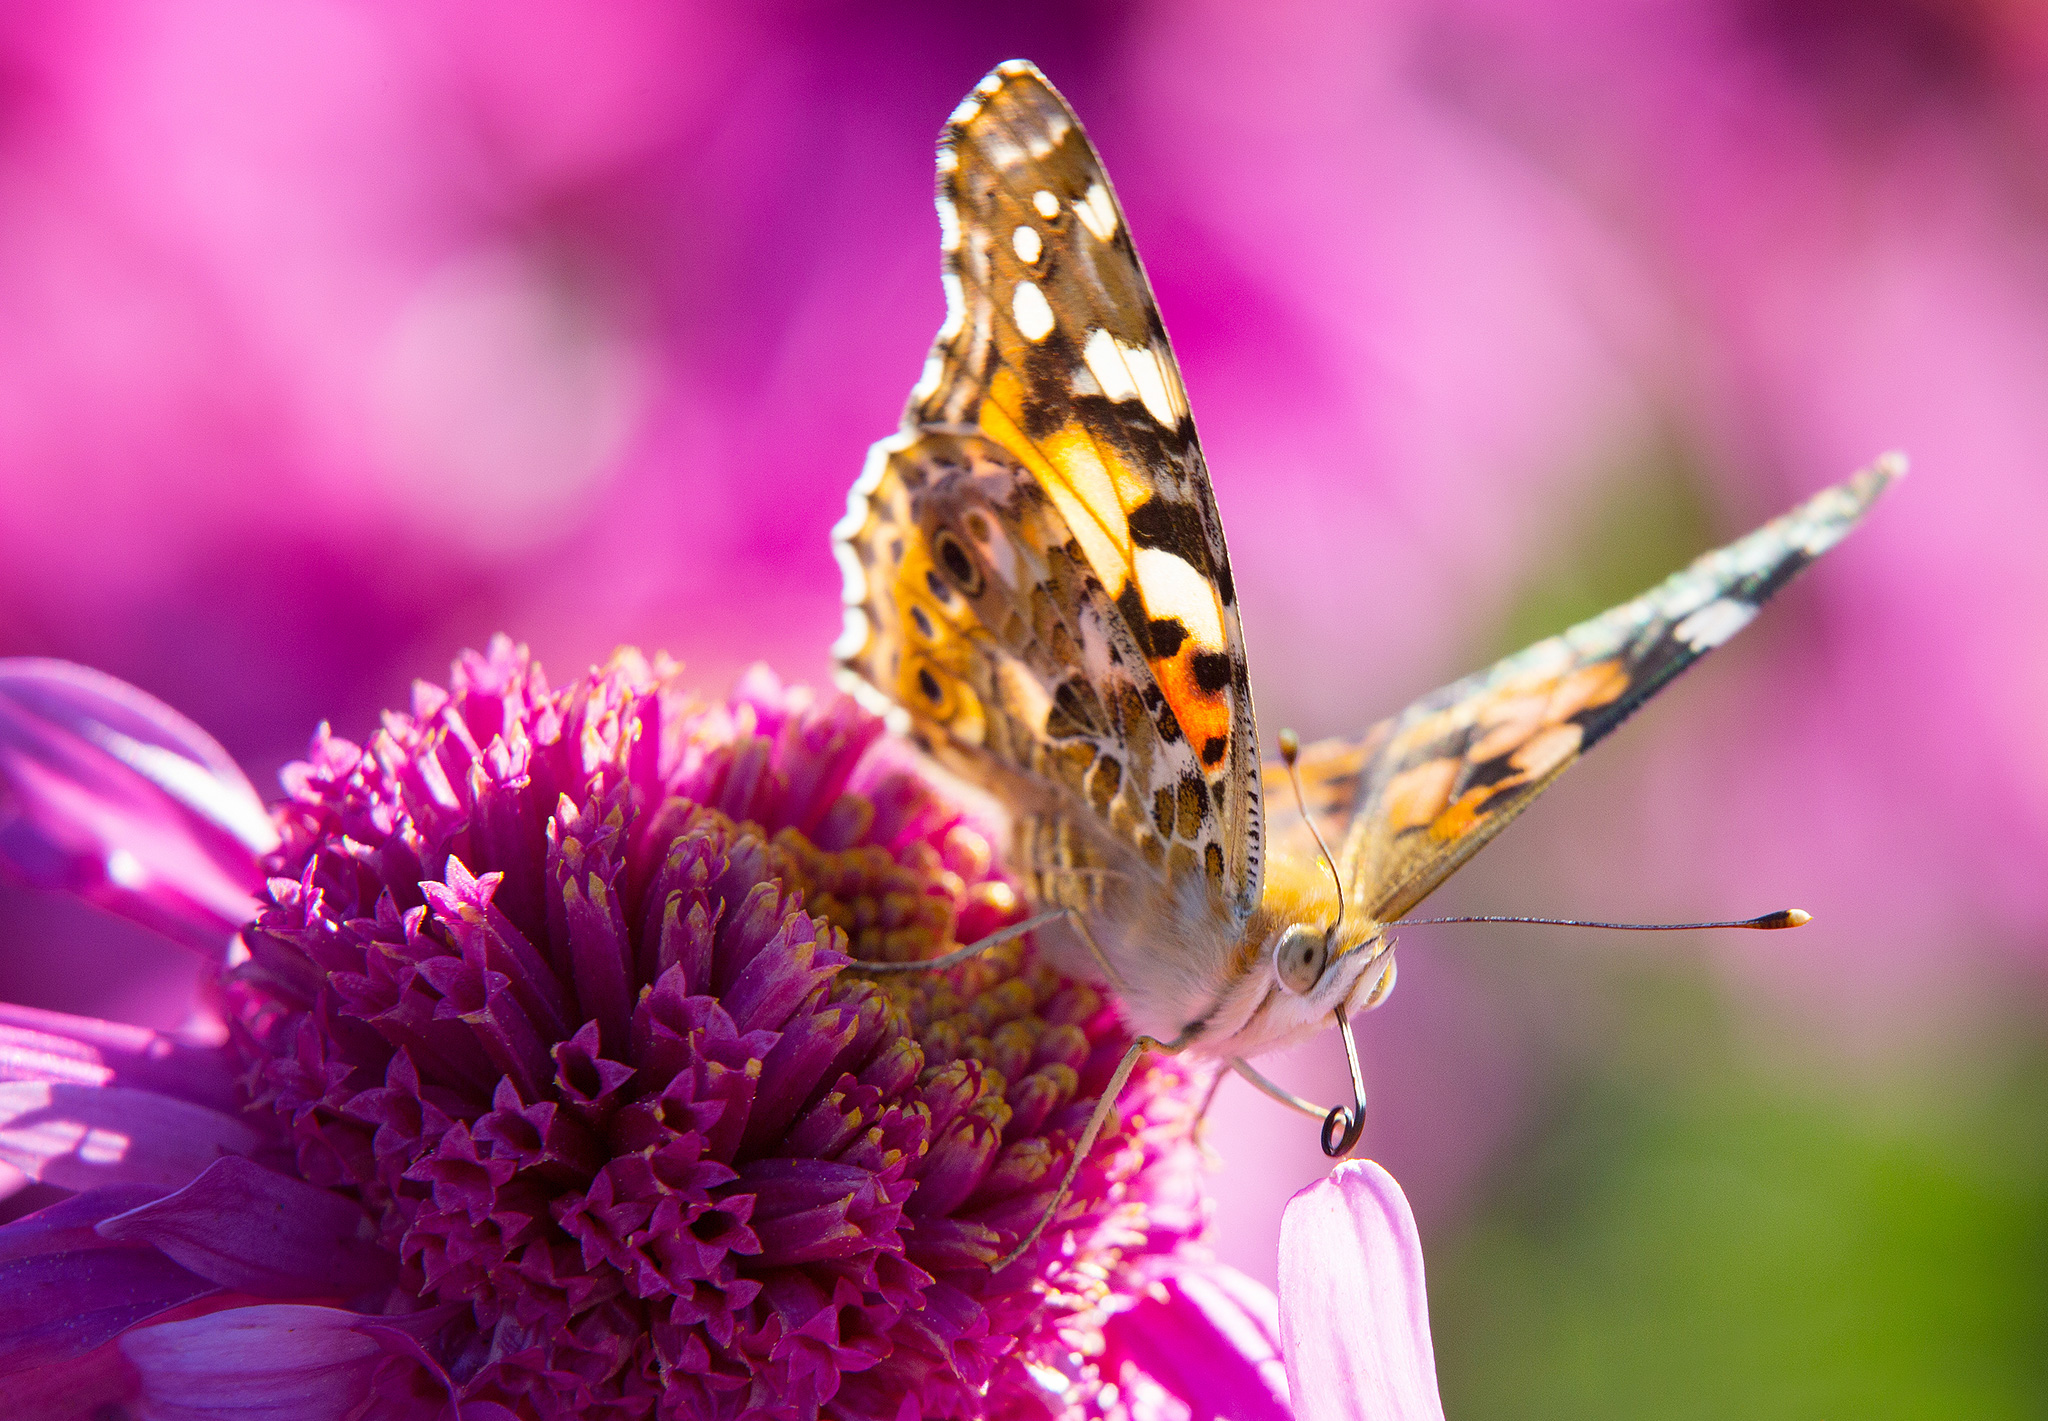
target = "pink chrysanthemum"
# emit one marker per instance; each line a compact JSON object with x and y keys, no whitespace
{"x":541,"y":984}
{"x":547,"y":1092}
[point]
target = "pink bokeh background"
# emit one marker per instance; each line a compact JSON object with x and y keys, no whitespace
{"x":335,"y":337}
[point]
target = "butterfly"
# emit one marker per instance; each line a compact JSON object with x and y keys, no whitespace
{"x":1037,"y":589}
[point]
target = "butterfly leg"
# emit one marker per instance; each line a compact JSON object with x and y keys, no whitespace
{"x":1198,"y":1131}
{"x":973,"y":949}
{"x":1105,"y":1106}
{"x":1002,"y":935}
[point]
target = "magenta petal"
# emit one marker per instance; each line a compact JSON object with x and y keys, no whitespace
{"x":257,"y":1231}
{"x":65,"y":1290}
{"x":78,"y":1137}
{"x":51,"y":1046}
{"x":100,"y":1384}
{"x":277,"y":1362}
{"x":1208,"y":1337}
{"x":108,"y":793}
{"x":1354,"y":1316}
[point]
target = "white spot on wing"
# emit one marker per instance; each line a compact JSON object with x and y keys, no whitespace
{"x":1687,"y":594}
{"x":999,"y":150}
{"x":1173,"y":589}
{"x":1131,"y":372}
{"x":853,"y":637}
{"x":853,"y":578}
{"x":1034,"y":316}
{"x":1043,"y":143}
{"x":949,"y":225}
{"x":1157,"y":385}
{"x":1714,"y":623}
{"x":928,"y":381}
{"x":1048,"y":206}
{"x":1104,"y":358}
{"x":956,"y":305}
{"x":1097,"y":211}
{"x":1024,"y":241}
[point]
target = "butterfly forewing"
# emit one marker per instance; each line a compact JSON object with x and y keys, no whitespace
{"x":1421,"y":792}
{"x":1036,"y":568}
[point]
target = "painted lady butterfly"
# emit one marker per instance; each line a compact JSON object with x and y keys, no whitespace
{"x":1038,"y":590}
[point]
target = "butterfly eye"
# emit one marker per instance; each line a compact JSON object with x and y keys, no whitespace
{"x":1299,"y":957}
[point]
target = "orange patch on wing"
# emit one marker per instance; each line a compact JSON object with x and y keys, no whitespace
{"x":1203,"y":715}
{"x":1509,"y":722}
{"x":1531,"y":713}
{"x":1415,"y":796}
{"x":1587,"y":688}
{"x":1079,"y":462}
{"x":1544,"y":753}
{"x":1459,"y":819}
{"x":1547,"y":750}
{"x":1127,"y":487}
{"x":1080,"y":486}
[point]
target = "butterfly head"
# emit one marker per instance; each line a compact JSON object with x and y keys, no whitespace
{"x":1322,"y":959}
{"x":1342,"y":966}
{"x":1319,"y":966}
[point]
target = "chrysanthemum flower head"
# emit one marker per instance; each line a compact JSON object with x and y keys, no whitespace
{"x":551,"y":1089}
{"x":555,"y":983}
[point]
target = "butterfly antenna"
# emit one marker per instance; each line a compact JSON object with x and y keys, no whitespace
{"x":1290,"y":751}
{"x":1783,"y":918}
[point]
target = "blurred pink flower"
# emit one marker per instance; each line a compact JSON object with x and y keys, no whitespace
{"x":746,"y":1185}
{"x":110,"y":794}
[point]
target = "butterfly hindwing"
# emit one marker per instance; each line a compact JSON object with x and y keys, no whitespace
{"x":1424,"y":790}
{"x":1053,"y":362}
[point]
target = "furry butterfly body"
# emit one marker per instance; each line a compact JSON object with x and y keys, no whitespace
{"x":1038,"y":591}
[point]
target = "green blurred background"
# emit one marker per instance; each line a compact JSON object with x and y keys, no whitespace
{"x":1715,"y":1205}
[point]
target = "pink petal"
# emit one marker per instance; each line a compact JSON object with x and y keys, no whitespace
{"x":257,"y":1231}
{"x":79,"y":1137}
{"x":108,"y":793}
{"x":99,"y":1384}
{"x":65,"y":1290}
{"x":277,"y":1362}
{"x":52,"y":1046}
{"x":1209,"y":1337}
{"x":1354,"y":1316}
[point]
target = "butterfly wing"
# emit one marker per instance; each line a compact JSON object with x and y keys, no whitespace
{"x":1424,"y":790}
{"x":1035,"y":569}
